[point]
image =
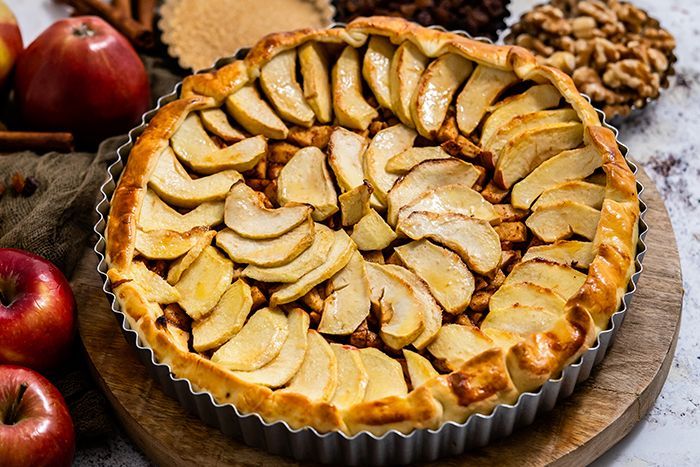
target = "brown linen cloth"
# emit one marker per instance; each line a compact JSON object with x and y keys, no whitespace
{"x":56,"y":222}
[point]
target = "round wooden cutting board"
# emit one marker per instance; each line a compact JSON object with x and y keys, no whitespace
{"x":600,"y":412}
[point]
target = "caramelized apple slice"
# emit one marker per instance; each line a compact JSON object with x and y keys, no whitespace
{"x":166,"y":244}
{"x":436,"y":88}
{"x":348,"y":305}
{"x":305,"y":179}
{"x":240,"y":156}
{"x":372,"y":233}
{"x":484,"y":86}
{"x":457,"y":343}
{"x":569,"y":252}
{"x":317,"y":88}
{"x":420,"y":369}
{"x":204,"y":282}
{"x":376,"y":68}
{"x":448,"y":278}
{"x":527,"y":294}
{"x":385,"y":376}
{"x":568,"y":165}
{"x":407,"y":66}
{"x":474,"y":240}
{"x":522,"y":320}
{"x":386,"y":144}
{"x":155,"y":287}
{"x":173,"y":184}
{"x":459,"y":199}
{"x":317,"y":377}
{"x":560,"y":278}
{"x":156,"y":215}
{"x":561,"y":220}
{"x":225,"y":320}
{"x":288,"y":362}
{"x":191,"y":141}
{"x":350,"y":107}
{"x":345,"y":150}
{"x":181,"y":264}
{"x":355,"y":204}
{"x":352,"y":377}
{"x":411,"y":157}
{"x":216,"y":121}
{"x":257,"y":344}
{"x":254,"y":114}
{"x":578,"y":191}
{"x":279,"y":83}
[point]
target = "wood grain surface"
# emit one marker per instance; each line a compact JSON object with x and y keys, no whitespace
{"x":601,"y":411}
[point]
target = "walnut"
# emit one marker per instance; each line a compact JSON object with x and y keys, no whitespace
{"x":597,"y":10}
{"x":362,"y":337}
{"x":551,"y":20}
{"x":584,"y":27}
{"x":633,"y":74}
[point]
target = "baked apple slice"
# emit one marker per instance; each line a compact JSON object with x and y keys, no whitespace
{"x":355,"y":204}
{"x":457,"y":343}
{"x":411,"y":157}
{"x":385,"y":376}
{"x":348,"y":304}
{"x":156,"y":215}
{"x":167,"y":244}
{"x":435,"y":90}
{"x":561,"y":220}
{"x":240,"y":156}
{"x":578,"y":191}
{"x":386,"y":144}
{"x":376,"y":67}
{"x":339,"y":255}
{"x":317,"y":377}
{"x":572,"y":253}
{"x":350,"y":107}
{"x":225,"y":320}
{"x":407,"y":66}
{"x":522,"y":320}
{"x":258,"y":342}
{"x":426,"y":176}
{"x":248,"y":108}
{"x":174,"y":185}
{"x":420,"y":369}
{"x":246,"y":214}
{"x":345,"y":151}
{"x":181,"y":264}
{"x":270,"y":251}
{"x":314,"y":67}
{"x":448,"y":278}
{"x":278,"y":79}
{"x":560,"y":278}
{"x":484,"y":86}
{"x":288,"y":362}
{"x":216,"y":121}
{"x":352,"y":377}
{"x":372,"y":232}
{"x":309,"y":259}
{"x":528,"y":294}
{"x":568,"y":165}
{"x":305,"y":179}
{"x":204,"y":282}
{"x":474,"y":240}
{"x":156,"y":289}
{"x":191,"y":141}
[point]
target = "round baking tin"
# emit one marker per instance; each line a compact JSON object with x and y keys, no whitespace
{"x":393,"y":447}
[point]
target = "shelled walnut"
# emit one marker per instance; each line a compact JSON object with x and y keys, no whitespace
{"x":615,"y":52}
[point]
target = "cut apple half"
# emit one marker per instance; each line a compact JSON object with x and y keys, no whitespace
{"x":522,"y":320}
{"x":204,"y":282}
{"x":339,"y":255}
{"x":216,"y":122}
{"x":448,"y":278}
{"x":407,"y":66}
{"x":157,"y":215}
{"x":246,"y":214}
{"x":279,"y":83}
{"x":435,"y":90}
{"x":225,"y":320}
{"x":484,"y":86}
{"x":527,"y":151}
{"x":426,"y":176}
{"x":313,"y":64}
{"x":317,"y":377}
{"x":457,"y":343}
{"x":167,"y":244}
{"x":568,"y":165}
{"x":174,"y":185}
{"x":352,"y":377}
{"x":401,"y":311}
{"x":560,"y":278}
{"x":561,"y":220}
{"x":258,"y":342}
{"x":577,"y":191}
{"x":355,"y":204}
{"x":474,"y":240}
{"x":526,"y":294}
{"x":156,"y":288}
{"x":309,"y":259}
{"x":384,"y":375}
{"x":248,"y":108}
{"x":348,"y":305}
{"x":420,"y":369}
{"x":270,"y":251}
{"x":411,"y":157}
{"x":350,"y":107}
{"x":290,"y":358}
{"x":386,"y":144}
{"x":538,"y":97}
{"x":572,"y":253}
{"x":376,"y":67}
{"x":181,"y":264}
{"x":372,"y":232}
{"x":305,"y":179}
{"x":240,"y":156}
{"x":455,"y":198}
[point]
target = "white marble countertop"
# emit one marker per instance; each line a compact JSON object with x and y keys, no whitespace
{"x":665,"y":139}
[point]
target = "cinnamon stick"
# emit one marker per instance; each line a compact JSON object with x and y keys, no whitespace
{"x":146,"y":10}
{"x":35,"y":141}
{"x":123,"y":7}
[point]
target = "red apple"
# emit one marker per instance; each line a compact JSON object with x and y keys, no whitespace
{"x":10,"y":42}
{"x":37,"y":311}
{"x":81,"y":75}
{"x":35,"y":425}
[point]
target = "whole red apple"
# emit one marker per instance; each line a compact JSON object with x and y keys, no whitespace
{"x":35,"y":425}
{"x":81,"y":75}
{"x":37,"y":310}
{"x":10,"y":42}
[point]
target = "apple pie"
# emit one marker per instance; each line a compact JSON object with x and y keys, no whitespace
{"x":373,"y":227}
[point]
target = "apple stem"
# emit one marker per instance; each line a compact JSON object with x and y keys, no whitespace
{"x":11,"y":416}
{"x":83,"y":30}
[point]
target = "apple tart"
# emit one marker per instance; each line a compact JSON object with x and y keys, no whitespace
{"x":374,"y":227}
